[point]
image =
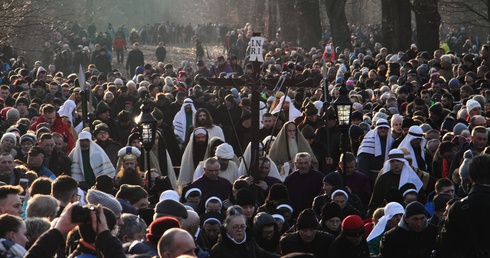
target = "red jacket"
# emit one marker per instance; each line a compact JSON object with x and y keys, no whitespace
{"x":59,"y":127}
{"x":119,"y":43}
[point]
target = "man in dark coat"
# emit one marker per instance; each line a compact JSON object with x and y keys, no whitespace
{"x":465,"y":232}
{"x":135,"y":59}
{"x":413,"y":237}
{"x":303,"y":184}
{"x":161,"y":52}
{"x":307,"y":238}
{"x":103,"y":61}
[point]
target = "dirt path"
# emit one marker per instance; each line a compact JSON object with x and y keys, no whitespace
{"x":176,"y":53}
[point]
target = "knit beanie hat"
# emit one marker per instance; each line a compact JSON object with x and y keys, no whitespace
{"x":440,"y":201}
{"x":311,"y":109}
{"x":335,"y":179}
{"x":95,"y":197}
{"x":13,"y":114}
{"x":331,"y":210}
{"x":105,"y":184}
{"x":123,"y":116}
{"x":131,"y":193}
{"x":471,"y":104}
{"x":453,"y":83}
{"x":308,"y":132}
{"x":278,"y":192}
{"x":458,"y":128}
{"x":437,"y":109}
{"x":352,"y":225}
{"x":245,"y":197}
{"x":158,"y":227}
{"x":172,"y":208}
{"x":22,"y":100}
{"x":415,"y":208}
{"x":101,"y":108}
{"x":307,"y":219}
{"x":11,"y":136}
{"x":101,"y":127}
{"x":28,"y":137}
{"x":355,"y":132}
{"x":408,"y":188}
{"x":169,"y":194}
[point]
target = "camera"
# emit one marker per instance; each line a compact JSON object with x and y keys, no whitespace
{"x":81,"y":214}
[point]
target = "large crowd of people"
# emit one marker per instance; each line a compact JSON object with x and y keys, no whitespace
{"x":410,"y":180}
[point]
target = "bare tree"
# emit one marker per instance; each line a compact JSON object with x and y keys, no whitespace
{"x":310,"y":31}
{"x":428,"y":21}
{"x":396,"y":26}
{"x":338,"y":22}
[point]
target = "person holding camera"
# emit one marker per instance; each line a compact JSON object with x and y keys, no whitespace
{"x":94,"y":226}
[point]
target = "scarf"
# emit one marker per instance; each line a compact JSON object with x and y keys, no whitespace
{"x":101,"y":164}
{"x":371,"y":144}
{"x":406,"y":144}
{"x":408,"y":175}
{"x":445,"y":168}
{"x":11,"y":249}
{"x":293,"y":111}
{"x":180,"y":120}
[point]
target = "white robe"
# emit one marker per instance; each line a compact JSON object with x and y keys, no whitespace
{"x":231,"y":173}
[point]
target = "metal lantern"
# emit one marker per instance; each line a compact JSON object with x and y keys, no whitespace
{"x":343,"y":108}
{"x":147,"y":124}
{"x":147,"y":128}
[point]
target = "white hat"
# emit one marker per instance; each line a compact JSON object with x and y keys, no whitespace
{"x":84,"y":135}
{"x":471,"y":104}
{"x":225,"y":151}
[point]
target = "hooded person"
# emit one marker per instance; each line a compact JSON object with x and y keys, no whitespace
{"x":396,"y":173}
{"x":213,"y":144}
{"x":161,"y":161}
{"x":393,"y":212}
{"x":193,"y":154}
{"x":290,"y":111}
{"x":67,"y":110}
{"x":415,"y":141}
{"x":266,"y":232}
{"x":245,"y":163}
{"x":288,"y":143}
{"x":228,"y":168}
{"x":330,"y":218}
{"x":89,"y":161}
{"x":374,"y":149}
{"x":184,"y":119}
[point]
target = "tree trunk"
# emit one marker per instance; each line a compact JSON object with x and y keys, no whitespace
{"x":259,"y":9}
{"x":428,"y":22}
{"x":310,"y":32}
{"x":287,"y":21}
{"x":338,"y":23}
{"x":396,"y":27}
{"x":271,"y":21}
